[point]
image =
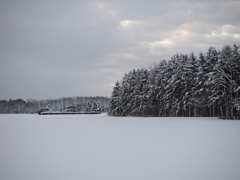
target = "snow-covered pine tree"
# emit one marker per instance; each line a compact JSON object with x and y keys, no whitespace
{"x":236,"y":74}
{"x":151,"y":94}
{"x":115,"y":106}
{"x":125,"y":94}
{"x":210,"y":85}
{"x":138,"y":102}
{"x":228,"y":79}
{"x":189,"y":75}
{"x":157,"y":90}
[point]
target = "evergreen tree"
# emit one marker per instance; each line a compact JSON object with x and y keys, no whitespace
{"x":115,"y":101}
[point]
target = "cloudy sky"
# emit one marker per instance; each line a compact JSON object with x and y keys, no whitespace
{"x":64,"y":48}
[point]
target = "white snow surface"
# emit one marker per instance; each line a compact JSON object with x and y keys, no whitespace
{"x":101,"y":147}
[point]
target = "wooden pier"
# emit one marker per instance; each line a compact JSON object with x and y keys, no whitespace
{"x":65,"y":113}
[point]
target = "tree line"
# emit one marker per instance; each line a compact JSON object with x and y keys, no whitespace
{"x":184,"y":86}
{"x":33,"y":106}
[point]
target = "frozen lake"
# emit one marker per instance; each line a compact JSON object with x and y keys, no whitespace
{"x":99,"y":147}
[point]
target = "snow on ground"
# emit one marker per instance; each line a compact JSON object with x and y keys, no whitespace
{"x":100,"y":147}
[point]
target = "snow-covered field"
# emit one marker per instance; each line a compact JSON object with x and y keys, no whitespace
{"x":99,"y":147}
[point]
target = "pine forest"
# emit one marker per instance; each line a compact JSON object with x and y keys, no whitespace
{"x":207,"y":85}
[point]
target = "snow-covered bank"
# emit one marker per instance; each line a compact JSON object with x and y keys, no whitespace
{"x":91,"y":147}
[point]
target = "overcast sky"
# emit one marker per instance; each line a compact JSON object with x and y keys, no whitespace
{"x":65,"y":48}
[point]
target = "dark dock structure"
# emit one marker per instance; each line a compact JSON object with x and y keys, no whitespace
{"x":65,"y":113}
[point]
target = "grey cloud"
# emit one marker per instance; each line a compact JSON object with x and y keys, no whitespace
{"x":66,"y":48}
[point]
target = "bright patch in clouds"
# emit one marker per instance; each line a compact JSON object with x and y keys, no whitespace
{"x":125,"y":23}
{"x":230,"y":30}
{"x":101,"y":5}
{"x":155,"y":45}
{"x":163,"y":42}
{"x":106,"y":8}
{"x":172,"y":37}
{"x":226,"y":30}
